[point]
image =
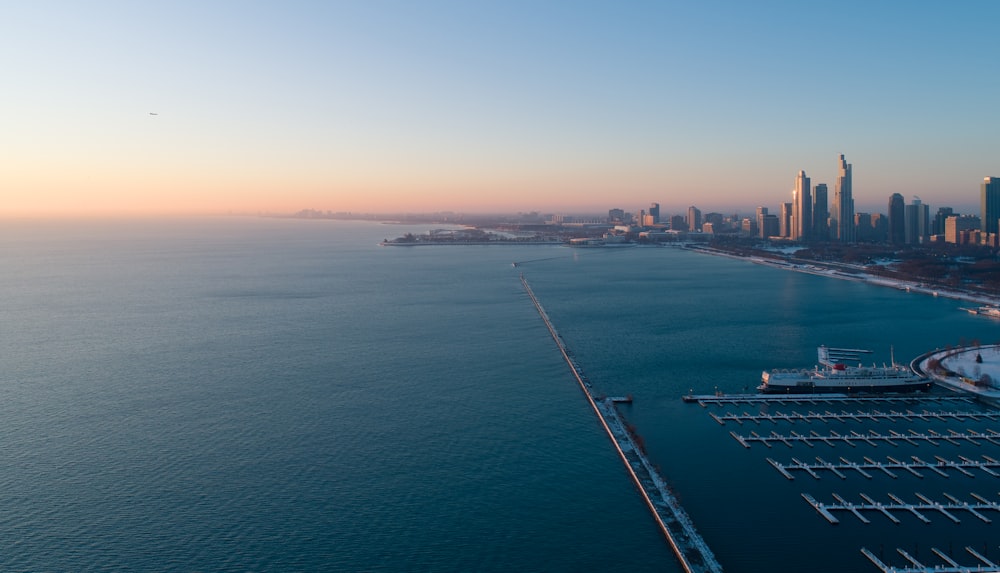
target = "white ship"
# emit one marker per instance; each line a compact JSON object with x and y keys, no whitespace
{"x":608,"y":240}
{"x":836,"y":373}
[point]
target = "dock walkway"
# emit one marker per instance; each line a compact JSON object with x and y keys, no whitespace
{"x":945,"y":508}
{"x":839,"y":468}
{"x":950,"y":565}
{"x":690,"y":548}
{"x":857,"y":416}
{"x":872,"y":438}
{"x":734,"y":399}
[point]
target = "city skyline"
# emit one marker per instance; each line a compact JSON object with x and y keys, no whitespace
{"x":187,"y":108}
{"x":813,"y":207}
{"x":808,"y":218}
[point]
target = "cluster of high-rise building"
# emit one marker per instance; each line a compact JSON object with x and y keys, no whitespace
{"x":807,"y":218}
{"x":692,"y":221}
{"x":814,"y":216}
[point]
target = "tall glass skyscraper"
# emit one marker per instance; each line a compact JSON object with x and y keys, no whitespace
{"x":694,"y":218}
{"x":785,"y":221}
{"x":801,"y":209}
{"x":820,"y":213}
{"x":916,"y":222}
{"x":842,"y":216}
{"x":990,"y":203}
{"x":897,"y":220}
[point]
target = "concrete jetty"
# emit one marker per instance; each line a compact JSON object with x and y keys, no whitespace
{"x":692,"y":551}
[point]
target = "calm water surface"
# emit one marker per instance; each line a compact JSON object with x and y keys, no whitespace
{"x":264,"y":394}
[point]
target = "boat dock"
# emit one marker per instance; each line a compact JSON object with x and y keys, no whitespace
{"x":959,"y":434}
{"x":704,"y":400}
{"x":689,"y":547}
{"x":945,"y":508}
{"x":950,"y":565}
{"x":961,"y":466}
{"x":872,"y":438}
{"x":858,"y":416}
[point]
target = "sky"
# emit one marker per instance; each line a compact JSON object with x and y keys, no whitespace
{"x":477,"y":106}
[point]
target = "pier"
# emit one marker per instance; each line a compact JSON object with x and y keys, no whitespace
{"x":858,"y":416}
{"x":756,"y":399}
{"x":961,"y":466}
{"x":950,"y":565}
{"x":945,"y":508}
{"x":872,"y":438}
{"x":689,"y":547}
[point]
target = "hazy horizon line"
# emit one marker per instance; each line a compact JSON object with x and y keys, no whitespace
{"x":959,"y":208}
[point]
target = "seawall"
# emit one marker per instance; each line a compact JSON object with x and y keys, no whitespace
{"x":689,"y":547}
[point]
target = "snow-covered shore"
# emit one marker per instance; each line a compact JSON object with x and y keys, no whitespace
{"x":859,"y":273}
{"x":970,"y":369}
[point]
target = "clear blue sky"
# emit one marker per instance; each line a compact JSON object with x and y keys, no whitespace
{"x":479,"y":106}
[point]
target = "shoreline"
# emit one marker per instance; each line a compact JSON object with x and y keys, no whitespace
{"x":859,"y":274}
{"x":465,"y":243}
{"x":953,"y":363}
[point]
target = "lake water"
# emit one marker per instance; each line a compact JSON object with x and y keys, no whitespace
{"x":236,"y":394}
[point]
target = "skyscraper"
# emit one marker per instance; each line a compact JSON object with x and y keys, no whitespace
{"x":842,"y":215}
{"x":937,"y":225}
{"x":880,"y":228}
{"x":785,"y":221}
{"x":917,"y":222}
{"x":820,"y":213}
{"x":758,"y":226}
{"x":897,"y":220}
{"x":654,"y":210}
{"x":990,"y":203}
{"x":770,"y":226}
{"x":863,"y":227}
{"x":801,"y":209}
{"x":694,"y":218}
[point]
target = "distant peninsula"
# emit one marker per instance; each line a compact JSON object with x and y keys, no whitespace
{"x":967,"y":271}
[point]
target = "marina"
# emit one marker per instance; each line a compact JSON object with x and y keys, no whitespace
{"x":688,"y":545}
{"x":862,"y":415}
{"x":880,"y":420}
{"x":872,"y":449}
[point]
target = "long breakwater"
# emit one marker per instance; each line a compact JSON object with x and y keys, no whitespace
{"x":692,"y":551}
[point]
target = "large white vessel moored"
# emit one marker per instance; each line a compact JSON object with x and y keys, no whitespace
{"x":608,"y":240}
{"x":840,"y":370}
